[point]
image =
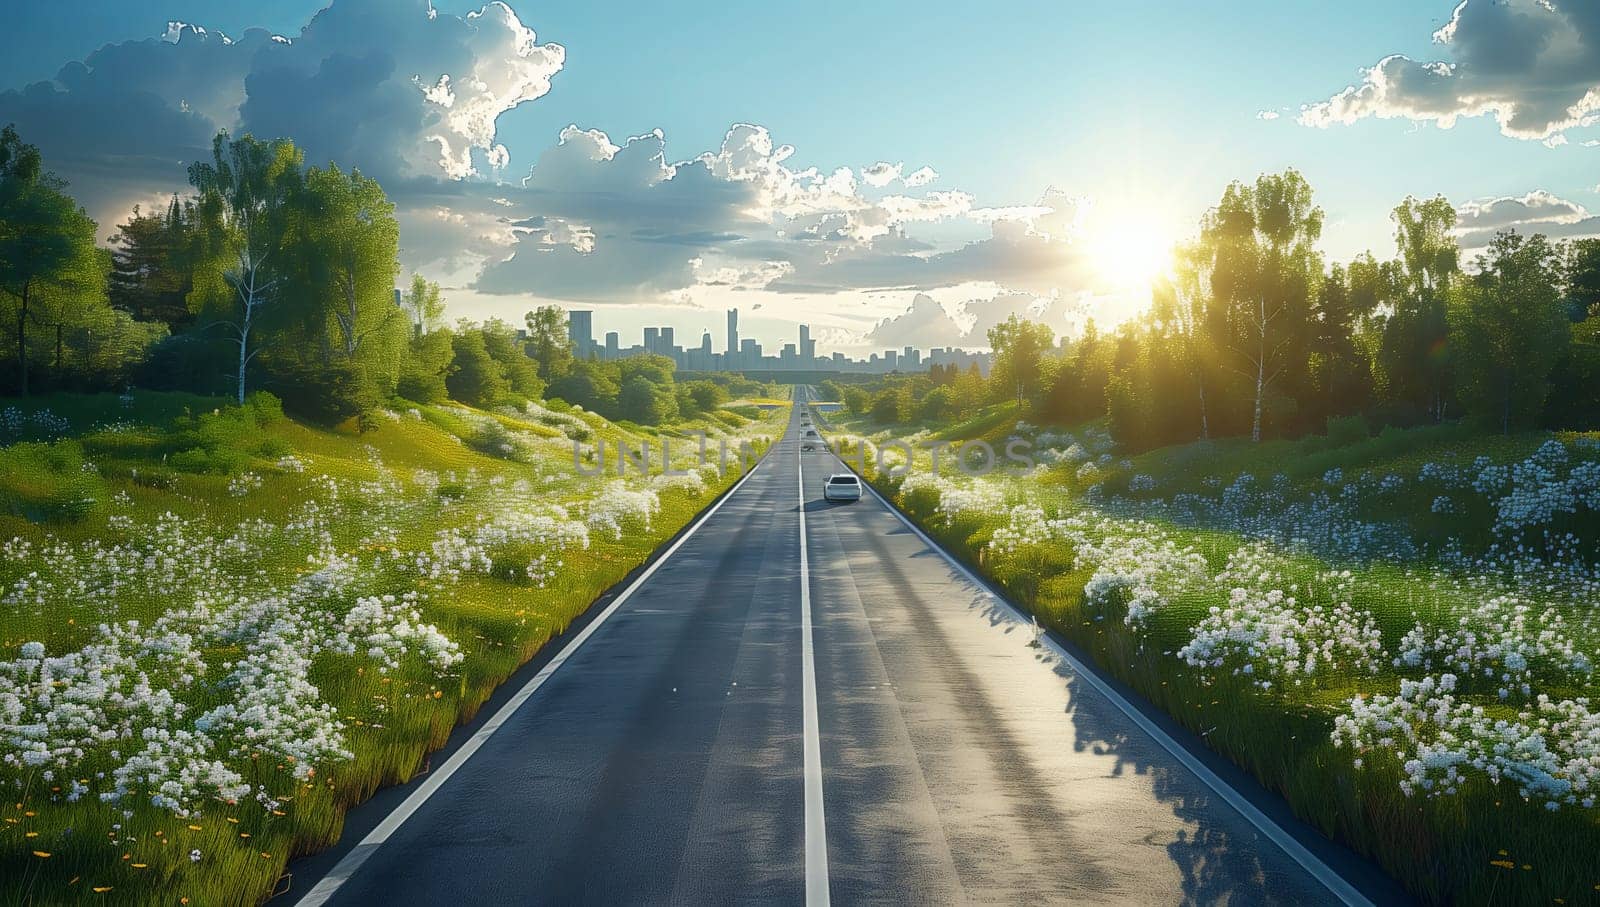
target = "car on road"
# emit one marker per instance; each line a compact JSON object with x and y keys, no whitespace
{"x":842,"y":486}
{"x":808,"y":447}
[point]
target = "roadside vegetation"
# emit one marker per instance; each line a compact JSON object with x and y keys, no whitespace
{"x":222,"y":628}
{"x":269,"y":532}
{"x":1343,"y":522}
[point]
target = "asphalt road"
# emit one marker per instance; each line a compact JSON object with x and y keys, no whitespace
{"x":855,"y":719}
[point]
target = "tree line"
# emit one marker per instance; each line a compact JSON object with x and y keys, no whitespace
{"x":276,"y":276}
{"x":1254,"y":334}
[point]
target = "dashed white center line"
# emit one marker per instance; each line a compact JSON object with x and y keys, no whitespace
{"x":816,"y":828}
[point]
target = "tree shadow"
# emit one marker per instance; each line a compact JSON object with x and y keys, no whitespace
{"x":1221,"y":857}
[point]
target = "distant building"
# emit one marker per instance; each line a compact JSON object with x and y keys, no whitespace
{"x":746,"y":354}
{"x":580,"y":330}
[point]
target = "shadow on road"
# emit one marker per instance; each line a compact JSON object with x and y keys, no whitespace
{"x":1221,"y":858}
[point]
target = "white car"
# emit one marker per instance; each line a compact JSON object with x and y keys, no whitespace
{"x":842,"y":486}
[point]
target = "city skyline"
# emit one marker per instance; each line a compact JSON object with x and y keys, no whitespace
{"x":748,"y":354}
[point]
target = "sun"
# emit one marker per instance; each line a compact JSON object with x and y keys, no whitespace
{"x":1131,"y":253}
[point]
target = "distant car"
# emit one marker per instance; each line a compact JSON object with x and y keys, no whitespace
{"x":812,"y":433}
{"x":842,"y":486}
{"x":808,"y":447}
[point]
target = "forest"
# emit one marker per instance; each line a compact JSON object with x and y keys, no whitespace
{"x":275,"y":276}
{"x":1254,"y":334}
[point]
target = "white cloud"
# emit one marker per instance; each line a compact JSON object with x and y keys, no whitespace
{"x":738,"y":215}
{"x":1537,"y":206}
{"x":1533,"y":64}
{"x":411,"y":96}
{"x":1536,"y":212}
{"x":881,"y":174}
{"x":1266,"y":114}
{"x":926,"y":324}
{"x":391,"y":86}
{"x":929,"y":323}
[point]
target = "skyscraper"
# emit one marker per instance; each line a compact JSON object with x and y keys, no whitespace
{"x":666,"y":342}
{"x":613,"y":344}
{"x":580,"y":330}
{"x":808,"y":347}
{"x":652,"y":340}
{"x":733,"y":332}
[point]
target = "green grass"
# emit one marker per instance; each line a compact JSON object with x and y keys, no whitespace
{"x":1484,"y":845}
{"x":120,"y":468}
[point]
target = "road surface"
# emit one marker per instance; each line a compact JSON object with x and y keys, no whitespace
{"x":853,"y":719}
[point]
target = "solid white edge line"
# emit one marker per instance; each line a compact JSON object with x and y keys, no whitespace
{"x":816,"y":832}
{"x":1335,"y":883}
{"x":352,"y":861}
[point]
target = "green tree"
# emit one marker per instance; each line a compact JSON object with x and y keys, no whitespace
{"x":1511,"y":328}
{"x":475,"y":377}
{"x":423,"y":303}
{"x":1581,"y":270}
{"x":548,"y":342}
{"x":644,"y":402}
{"x":938,"y":404}
{"x":1019,"y":347}
{"x":697,"y":397}
{"x":1180,"y":305}
{"x":500,"y":339}
{"x":856,"y":401}
{"x":592,"y":384}
{"x":1414,"y":357}
{"x":246,"y":193}
{"x":1265,"y":272}
{"x":351,"y":241}
{"x":1340,"y":371}
{"x":151,"y":276}
{"x":47,"y":243}
{"x":430,"y":349}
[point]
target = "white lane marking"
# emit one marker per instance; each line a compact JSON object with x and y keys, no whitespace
{"x":1335,"y":883}
{"x":347,"y":867}
{"x":816,"y":828}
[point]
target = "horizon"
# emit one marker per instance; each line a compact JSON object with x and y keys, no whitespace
{"x":536,"y":158}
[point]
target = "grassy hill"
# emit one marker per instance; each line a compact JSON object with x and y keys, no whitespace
{"x":323,"y":606}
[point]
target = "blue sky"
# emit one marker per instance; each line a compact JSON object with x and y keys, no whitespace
{"x":1146,"y":108}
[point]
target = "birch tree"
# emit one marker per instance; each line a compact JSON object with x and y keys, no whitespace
{"x":246,"y":191}
{"x":1265,"y":271}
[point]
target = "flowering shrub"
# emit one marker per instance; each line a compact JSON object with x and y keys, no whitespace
{"x":1273,"y":630}
{"x":618,"y":505}
{"x":1550,"y":753}
{"x":1498,"y":638}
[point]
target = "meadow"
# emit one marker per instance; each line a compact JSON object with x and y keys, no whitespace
{"x":1397,"y":633}
{"x":221,"y":628}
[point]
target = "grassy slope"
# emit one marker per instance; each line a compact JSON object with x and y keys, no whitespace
{"x":1486,"y":845}
{"x":392,"y":719}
